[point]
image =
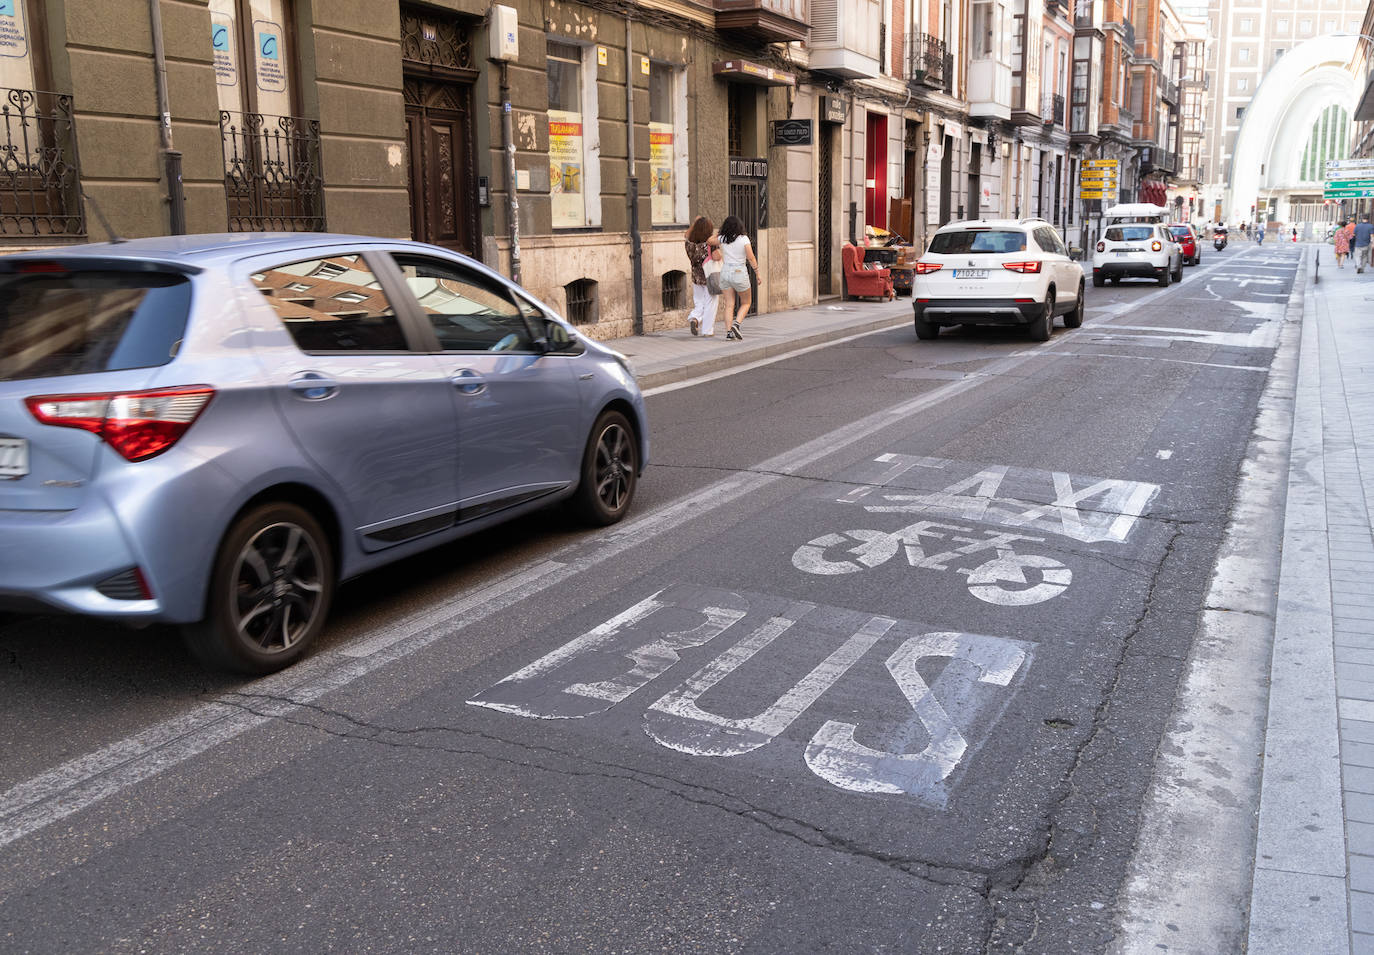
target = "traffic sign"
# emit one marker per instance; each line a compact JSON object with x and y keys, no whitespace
{"x":1348,"y":193}
{"x":1097,"y":194}
{"x":1097,"y":175}
{"x":1336,"y":166}
{"x":1102,"y":164}
{"x":1349,"y":184}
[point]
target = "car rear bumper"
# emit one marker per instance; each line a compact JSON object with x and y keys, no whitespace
{"x":62,"y":560}
{"x":977,"y":311}
{"x":1130,"y":269}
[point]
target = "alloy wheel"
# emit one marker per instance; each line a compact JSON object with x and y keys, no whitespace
{"x":277,"y":587}
{"x":614,"y":467}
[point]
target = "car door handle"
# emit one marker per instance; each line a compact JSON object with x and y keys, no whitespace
{"x":468,"y":381}
{"x":313,"y":386}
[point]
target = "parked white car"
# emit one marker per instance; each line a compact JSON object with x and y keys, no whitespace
{"x":997,"y":272}
{"x":1143,"y":250}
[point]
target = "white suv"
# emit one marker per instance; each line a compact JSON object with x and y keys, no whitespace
{"x":1145,"y":250}
{"x":997,"y":272}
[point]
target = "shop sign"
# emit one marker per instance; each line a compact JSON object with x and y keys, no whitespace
{"x":749,"y":168}
{"x":833,"y":109}
{"x":792,"y":132}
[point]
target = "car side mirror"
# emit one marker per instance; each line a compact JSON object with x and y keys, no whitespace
{"x":1076,"y":253}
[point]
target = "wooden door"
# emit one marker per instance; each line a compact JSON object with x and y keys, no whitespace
{"x":443,"y":184}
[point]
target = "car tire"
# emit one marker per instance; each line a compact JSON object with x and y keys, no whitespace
{"x":1043,"y":325}
{"x":1164,"y":278}
{"x":1098,"y":280}
{"x":1074,"y":319}
{"x":248,"y":624}
{"x":1178,"y":272}
{"x":1197,"y":259}
{"x":610,"y":470}
{"x":926,"y":330}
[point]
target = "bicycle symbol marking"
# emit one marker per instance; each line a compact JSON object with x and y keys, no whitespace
{"x":1001,"y":579}
{"x":1086,"y":510}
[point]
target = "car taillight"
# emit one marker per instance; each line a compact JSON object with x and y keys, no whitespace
{"x":1155,"y":246}
{"x":1102,"y":247}
{"x":137,"y":424}
{"x":925,"y":268}
{"x":1023,"y":267}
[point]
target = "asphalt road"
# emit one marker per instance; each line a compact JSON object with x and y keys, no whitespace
{"x":880,"y":662}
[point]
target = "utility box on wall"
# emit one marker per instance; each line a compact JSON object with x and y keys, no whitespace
{"x":505,"y":33}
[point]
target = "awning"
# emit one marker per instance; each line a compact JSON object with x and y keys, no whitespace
{"x":1154,"y":191}
{"x":747,"y":71}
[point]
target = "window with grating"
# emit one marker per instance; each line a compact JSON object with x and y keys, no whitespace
{"x":674,"y":290}
{"x":581,"y":301}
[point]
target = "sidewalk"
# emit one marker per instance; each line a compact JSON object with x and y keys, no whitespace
{"x":1313,"y":887}
{"x":663,"y":358}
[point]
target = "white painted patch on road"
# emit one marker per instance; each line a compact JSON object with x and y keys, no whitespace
{"x":836,"y":755}
{"x":1164,"y":454}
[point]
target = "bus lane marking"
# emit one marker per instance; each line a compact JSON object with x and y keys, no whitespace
{"x":639,"y":647}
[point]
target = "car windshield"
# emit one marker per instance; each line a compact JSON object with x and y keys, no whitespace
{"x":978,"y":240}
{"x":1129,"y":233}
{"x":63,"y":323}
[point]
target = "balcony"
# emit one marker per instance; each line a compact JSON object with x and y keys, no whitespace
{"x":1157,"y":159}
{"x":989,"y":89}
{"x":272,"y":172}
{"x":1168,"y":91}
{"x":765,"y":21}
{"x":1052,"y":110}
{"x":846,"y":37}
{"x":927,"y":63}
{"x":40,"y":181}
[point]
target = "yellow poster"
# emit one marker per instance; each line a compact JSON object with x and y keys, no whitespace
{"x":565,"y":169}
{"x":661,"y":173}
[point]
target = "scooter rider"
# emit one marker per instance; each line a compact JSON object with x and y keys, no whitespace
{"x":1219,"y":236}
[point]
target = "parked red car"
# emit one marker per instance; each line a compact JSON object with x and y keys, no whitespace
{"x":1186,"y":236}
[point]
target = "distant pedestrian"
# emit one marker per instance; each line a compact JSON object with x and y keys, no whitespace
{"x":701,"y":245}
{"x":1363,"y":232}
{"x":1295,"y":235}
{"x":734,"y":277}
{"x":1344,"y":232}
{"x":1259,"y":234}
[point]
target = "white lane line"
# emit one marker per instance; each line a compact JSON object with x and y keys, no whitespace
{"x":1176,"y":361}
{"x":736,"y":369}
{"x":85,"y":781}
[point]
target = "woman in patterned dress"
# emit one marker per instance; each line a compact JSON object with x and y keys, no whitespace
{"x":1343,"y":233}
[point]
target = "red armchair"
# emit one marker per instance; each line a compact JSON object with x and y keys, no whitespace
{"x":862,"y":282}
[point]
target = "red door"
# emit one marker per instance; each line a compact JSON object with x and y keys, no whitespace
{"x":875,"y":172}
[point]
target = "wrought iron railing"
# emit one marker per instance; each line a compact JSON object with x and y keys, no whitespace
{"x":1052,"y":109}
{"x":927,"y":61}
{"x":40,"y":178}
{"x":272,"y":172}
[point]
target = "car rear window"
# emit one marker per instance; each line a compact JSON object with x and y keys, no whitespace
{"x":1179,"y":231}
{"x":73,"y":323}
{"x":978,"y":240}
{"x":1129,"y":233}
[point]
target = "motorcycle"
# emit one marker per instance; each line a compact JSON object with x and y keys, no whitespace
{"x":1219,"y":242}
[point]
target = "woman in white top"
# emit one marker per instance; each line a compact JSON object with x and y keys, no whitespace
{"x":734,"y":277}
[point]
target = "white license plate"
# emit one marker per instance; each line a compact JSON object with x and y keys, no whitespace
{"x":1123,"y":255}
{"x":14,"y":458}
{"x":970,"y":273}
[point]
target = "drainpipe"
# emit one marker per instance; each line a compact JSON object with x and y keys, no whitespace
{"x":171,"y":159}
{"x":508,"y":146}
{"x":632,"y":185}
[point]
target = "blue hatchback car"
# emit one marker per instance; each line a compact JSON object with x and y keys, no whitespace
{"x":214,"y":430}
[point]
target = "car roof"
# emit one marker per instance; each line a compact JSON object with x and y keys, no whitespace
{"x":213,"y":248}
{"x":993,"y":224}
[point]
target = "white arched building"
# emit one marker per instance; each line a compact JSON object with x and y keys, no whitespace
{"x":1289,"y":129}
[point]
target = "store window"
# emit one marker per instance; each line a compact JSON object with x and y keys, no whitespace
{"x":571,"y":112}
{"x":254,"y":65}
{"x":667,"y":144}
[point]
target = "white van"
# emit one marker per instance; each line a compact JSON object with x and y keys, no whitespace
{"x":1135,"y":212}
